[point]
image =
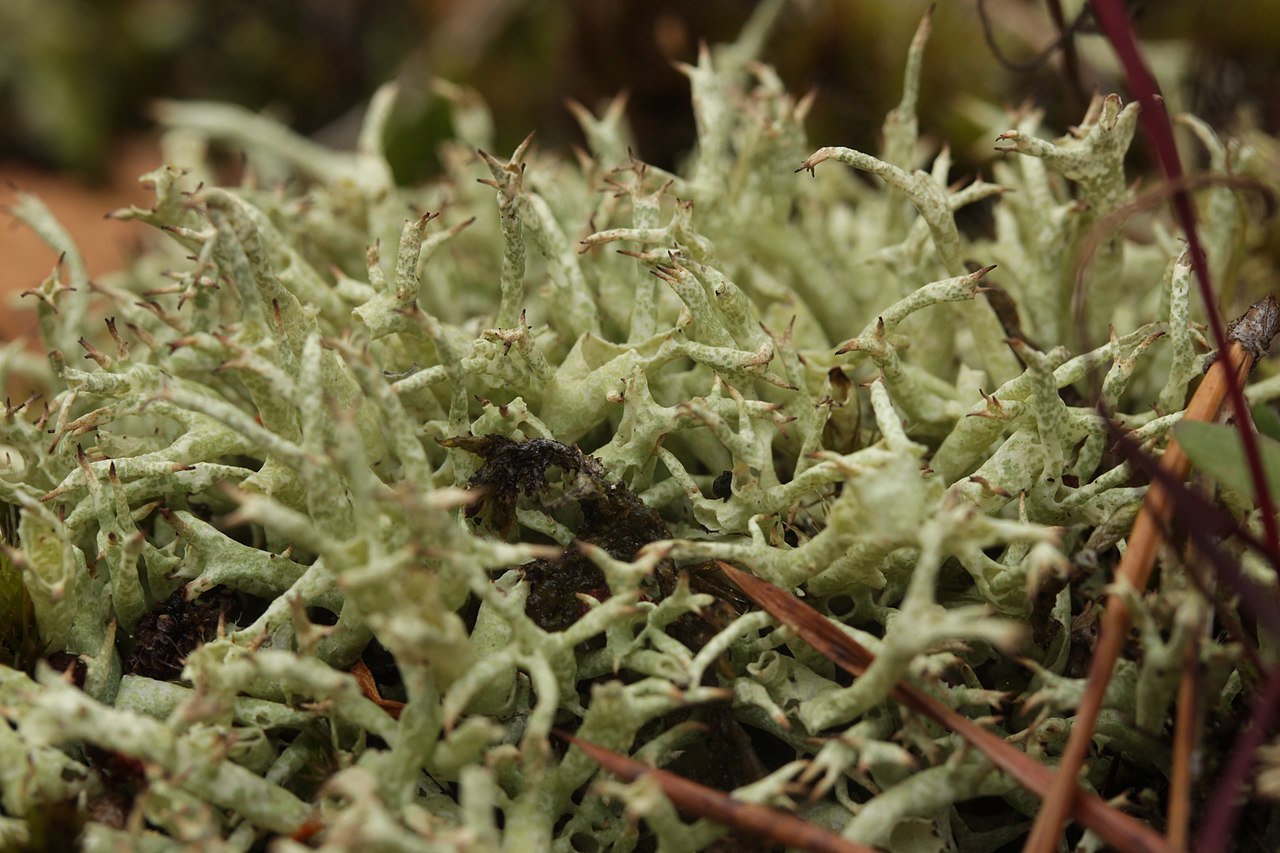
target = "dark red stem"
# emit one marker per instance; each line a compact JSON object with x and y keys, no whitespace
{"x":1224,"y":807}
{"x":1229,"y":794}
{"x":1114,"y":21}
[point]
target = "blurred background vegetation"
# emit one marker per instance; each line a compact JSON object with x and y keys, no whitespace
{"x":77,"y":76}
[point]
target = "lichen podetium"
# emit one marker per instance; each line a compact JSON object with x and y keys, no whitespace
{"x":487,"y":461}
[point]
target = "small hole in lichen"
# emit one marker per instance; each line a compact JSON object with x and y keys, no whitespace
{"x":841,"y":606}
{"x":582,"y":842}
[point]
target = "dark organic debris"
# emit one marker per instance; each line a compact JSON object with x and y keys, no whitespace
{"x":123,"y":779}
{"x":168,"y":633}
{"x":513,"y":469}
{"x":610,"y":516}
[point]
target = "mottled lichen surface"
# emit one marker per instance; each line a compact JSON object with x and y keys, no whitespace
{"x":327,"y":419}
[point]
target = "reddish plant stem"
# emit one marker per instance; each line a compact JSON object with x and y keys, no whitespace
{"x":1070,"y":57}
{"x":1185,"y":744}
{"x":782,"y":828}
{"x":1111,"y":825}
{"x":1114,"y":21}
{"x":1111,"y":16}
{"x":1134,"y":570}
{"x":1216,"y":833}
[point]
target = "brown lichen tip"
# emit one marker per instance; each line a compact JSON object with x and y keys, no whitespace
{"x":1255,"y":328}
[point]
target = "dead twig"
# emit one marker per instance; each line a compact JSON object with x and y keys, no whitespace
{"x":1113,"y":826}
{"x":692,"y":798}
{"x":1134,"y":571}
{"x":1185,"y":742}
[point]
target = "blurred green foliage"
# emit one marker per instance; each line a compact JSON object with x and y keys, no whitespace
{"x":75,"y":74}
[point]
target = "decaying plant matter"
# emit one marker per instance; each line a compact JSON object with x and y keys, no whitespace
{"x":359,"y":491}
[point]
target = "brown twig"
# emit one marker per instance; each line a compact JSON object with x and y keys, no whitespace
{"x":1220,"y":815}
{"x":1134,"y":571}
{"x":777,"y":826}
{"x":1185,"y":739}
{"x":1116,"y":828}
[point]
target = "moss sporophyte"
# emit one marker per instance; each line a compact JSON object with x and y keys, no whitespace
{"x":349,"y":504}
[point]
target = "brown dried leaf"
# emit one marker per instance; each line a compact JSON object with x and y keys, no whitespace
{"x":369,"y":687}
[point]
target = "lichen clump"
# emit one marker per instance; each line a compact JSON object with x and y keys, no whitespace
{"x":481,"y":439}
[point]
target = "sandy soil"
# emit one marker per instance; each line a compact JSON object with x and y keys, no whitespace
{"x":25,"y":260}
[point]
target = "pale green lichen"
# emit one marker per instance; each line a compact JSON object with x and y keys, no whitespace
{"x":800,"y":376}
